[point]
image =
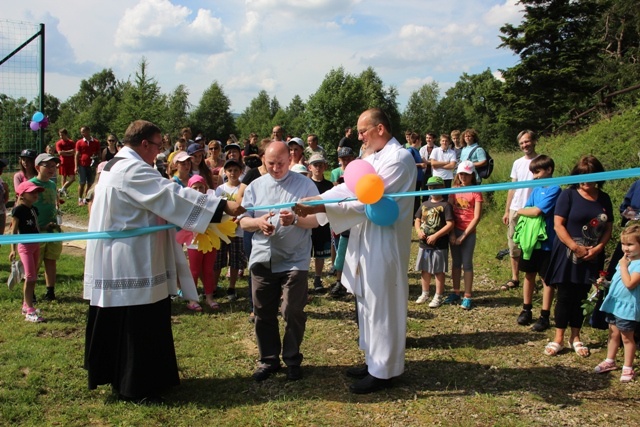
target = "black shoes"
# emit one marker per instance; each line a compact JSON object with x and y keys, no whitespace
{"x":542,"y":324}
{"x":264,"y":372}
{"x":369,"y":384}
{"x":338,"y":291}
{"x":317,"y":286}
{"x":294,"y":373}
{"x":525,"y":317}
{"x":358,"y":372}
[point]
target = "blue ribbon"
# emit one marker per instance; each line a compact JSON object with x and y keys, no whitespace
{"x":564,"y":180}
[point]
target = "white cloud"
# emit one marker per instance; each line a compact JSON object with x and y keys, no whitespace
{"x":509,"y":12}
{"x":159,"y":25}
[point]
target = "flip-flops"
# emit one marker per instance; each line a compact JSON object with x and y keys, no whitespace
{"x":214,"y":305}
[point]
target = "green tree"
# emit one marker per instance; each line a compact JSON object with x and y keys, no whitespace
{"x":558,"y":62}
{"x":421,"y":114}
{"x":213,"y":116}
{"x":142,"y":99}
{"x":375,"y":95}
{"x":177,"y":112}
{"x":336,"y":104}
{"x":296,"y":122}
{"x":95,"y":105}
{"x":256,"y":117}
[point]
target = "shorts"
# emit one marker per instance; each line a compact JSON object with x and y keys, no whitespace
{"x":514,"y":249}
{"x":539,"y":262}
{"x":622,"y":324}
{"x":231,"y":254}
{"x":340,"y":253}
{"x":50,"y":250}
{"x":67,"y":167}
{"x":85,"y":175}
{"x":432,"y":261}
{"x":321,"y":242}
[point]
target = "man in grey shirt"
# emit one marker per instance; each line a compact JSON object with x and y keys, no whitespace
{"x":279,"y":261}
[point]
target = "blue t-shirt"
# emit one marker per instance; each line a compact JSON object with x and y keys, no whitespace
{"x":418,"y":158}
{"x":544,"y":198}
{"x":620,"y":301}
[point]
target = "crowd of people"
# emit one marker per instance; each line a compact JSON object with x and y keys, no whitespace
{"x":146,"y":180}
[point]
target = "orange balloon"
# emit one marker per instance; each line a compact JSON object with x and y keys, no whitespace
{"x":369,"y":188}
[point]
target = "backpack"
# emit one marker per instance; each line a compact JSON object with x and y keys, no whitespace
{"x":486,"y":170}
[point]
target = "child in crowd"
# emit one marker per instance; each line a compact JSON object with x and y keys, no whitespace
{"x":537,"y":217}
{"x":467,"y":209}
{"x":48,"y":205}
{"x":230,"y":254}
{"x":320,"y":236}
{"x":25,"y":221}
{"x":434,"y":220}
{"x":622,"y":305}
{"x":200,"y":263}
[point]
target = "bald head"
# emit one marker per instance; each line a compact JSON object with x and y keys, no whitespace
{"x":276,"y":159}
{"x":374,"y":129}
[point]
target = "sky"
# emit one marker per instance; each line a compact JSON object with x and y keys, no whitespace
{"x":285,"y":47}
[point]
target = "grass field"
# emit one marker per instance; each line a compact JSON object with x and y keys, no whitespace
{"x":463,"y":368}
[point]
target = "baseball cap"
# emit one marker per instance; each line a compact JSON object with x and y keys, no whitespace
{"x":345,"y":152}
{"x":31,"y":154}
{"x":232,"y":162}
{"x":194,"y":148}
{"x":297,"y":141}
{"x":44,"y":157}
{"x":3,"y":163}
{"x":299,"y":169}
{"x":180,"y":156}
{"x":466,"y":166}
{"x":232,"y":147}
{"x":435,"y":180}
{"x":317,"y":158}
{"x":196,"y":178}
{"x":28,"y":187}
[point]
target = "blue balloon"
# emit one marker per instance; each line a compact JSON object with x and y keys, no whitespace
{"x":37,"y":117}
{"x":384,"y":212}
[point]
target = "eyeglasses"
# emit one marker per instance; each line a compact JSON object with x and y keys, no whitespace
{"x":158,"y":145}
{"x":111,"y":140}
{"x":362,"y":132}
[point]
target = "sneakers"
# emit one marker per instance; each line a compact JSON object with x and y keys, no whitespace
{"x":49,"y":296}
{"x":525,"y":317}
{"x":231,"y":294}
{"x":628,"y":374}
{"x":33,"y":315}
{"x":466,"y":303}
{"x":437,"y":301}
{"x":605,"y":366}
{"x":542,"y":324}
{"x":422,"y":298}
{"x":317,"y":285}
{"x":338,"y":290}
{"x":452,"y":298}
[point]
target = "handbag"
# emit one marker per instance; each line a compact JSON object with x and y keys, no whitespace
{"x":15,"y":276}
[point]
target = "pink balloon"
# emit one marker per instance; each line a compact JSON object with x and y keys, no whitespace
{"x":35,"y":126}
{"x":44,"y":123}
{"x":356,"y":170}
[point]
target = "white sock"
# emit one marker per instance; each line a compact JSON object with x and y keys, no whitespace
{"x":609,"y":360}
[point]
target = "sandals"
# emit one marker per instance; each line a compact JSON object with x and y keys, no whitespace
{"x":194,"y":306}
{"x":214,"y":305}
{"x":553,"y":348}
{"x":511,"y":284}
{"x":580,"y":349}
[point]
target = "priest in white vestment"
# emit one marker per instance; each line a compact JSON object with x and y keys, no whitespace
{"x":129,"y":342}
{"x":377,"y":258}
